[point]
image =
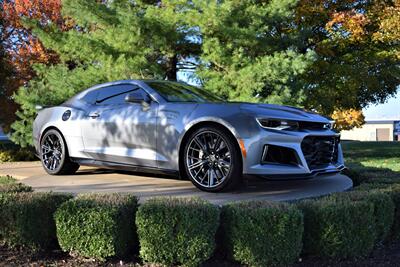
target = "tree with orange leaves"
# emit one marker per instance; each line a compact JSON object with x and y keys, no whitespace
{"x":21,"y":49}
{"x":358,"y":53}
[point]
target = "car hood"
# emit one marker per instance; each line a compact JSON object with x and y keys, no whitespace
{"x":282,"y":112}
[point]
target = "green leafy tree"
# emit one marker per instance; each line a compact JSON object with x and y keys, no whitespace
{"x":325,"y":55}
{"x":111,"y":40}
{"x":332,"y":56}
{"x":252,"y":51}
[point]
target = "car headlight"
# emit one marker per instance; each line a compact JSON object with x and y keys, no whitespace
{"x":277,"y":124}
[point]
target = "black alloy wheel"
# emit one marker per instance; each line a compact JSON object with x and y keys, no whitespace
{"x":54,"y":154}
{"x":212,"y":160}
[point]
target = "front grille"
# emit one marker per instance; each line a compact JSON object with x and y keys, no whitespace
{"x":320,"y":151}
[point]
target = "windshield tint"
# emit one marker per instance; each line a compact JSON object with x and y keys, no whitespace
{"x":178,"y":92}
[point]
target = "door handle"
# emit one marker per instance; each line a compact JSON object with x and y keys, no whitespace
{"x":94,"y":115}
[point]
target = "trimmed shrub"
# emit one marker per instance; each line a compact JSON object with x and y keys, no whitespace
{"x":9,"y":184}
{"x":177,"y":230}
{"x":26,"y":219}
{"x":356,"y":176}
{"x":97,"y":226}
{"x":261,"y":233}
{"x":383,"y":209}
{"x":393,"y":190}
{"x":338,"y":228}
{"x":371,"y":186}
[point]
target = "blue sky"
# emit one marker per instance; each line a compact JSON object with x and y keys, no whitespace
{"x":388,"y":110}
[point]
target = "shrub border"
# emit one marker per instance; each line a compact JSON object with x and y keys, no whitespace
{"x":369,"y":189}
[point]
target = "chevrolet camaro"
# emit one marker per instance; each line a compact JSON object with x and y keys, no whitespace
{"x":170,"y":127}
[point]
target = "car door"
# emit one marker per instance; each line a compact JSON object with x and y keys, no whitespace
{"x":117,"y":131}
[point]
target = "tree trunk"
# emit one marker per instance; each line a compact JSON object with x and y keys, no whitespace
{"x":171,"y":68}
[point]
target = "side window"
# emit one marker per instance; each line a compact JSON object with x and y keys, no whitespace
{"x":90,"y":97}
{"x":114,"y":95}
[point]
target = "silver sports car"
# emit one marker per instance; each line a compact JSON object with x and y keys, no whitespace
{"x":170,"y":127}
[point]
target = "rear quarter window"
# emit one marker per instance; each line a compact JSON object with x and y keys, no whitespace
{"x":90,"y":97}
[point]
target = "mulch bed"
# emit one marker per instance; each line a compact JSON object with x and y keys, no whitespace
{"x":383,"y":256}
{"x":388,"y":255}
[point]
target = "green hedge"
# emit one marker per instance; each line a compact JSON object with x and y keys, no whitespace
{"x":336,"y":228}
{"x":9,"y":184}
{"x":383,"y":209}
{"x":356,"y":176}
{"x":98,"y":226}
{"x":177,"y":231}
{"x":262,"y":233}
{"x":371,"y":186}
{"x":393,"y":190}
{"x":26,"y":219}
{"x":394,"y":193}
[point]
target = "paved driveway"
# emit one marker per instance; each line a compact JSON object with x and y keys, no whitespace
{"x":90,"y":179}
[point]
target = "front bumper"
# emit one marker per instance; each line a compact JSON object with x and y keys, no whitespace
{"x":296,"y":161}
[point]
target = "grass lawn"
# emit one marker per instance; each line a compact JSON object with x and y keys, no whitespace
{"x":11,"y":185}
{"x":377,"y":161}
{"x":7,"y":180}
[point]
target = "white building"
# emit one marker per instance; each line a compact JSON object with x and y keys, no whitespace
{"x":375,"y":130}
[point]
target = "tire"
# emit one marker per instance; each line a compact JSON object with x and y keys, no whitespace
{"x":54,"y":154}
{"x":212,"y":159}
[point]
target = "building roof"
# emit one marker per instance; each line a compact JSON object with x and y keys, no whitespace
{"x":382,"y":121}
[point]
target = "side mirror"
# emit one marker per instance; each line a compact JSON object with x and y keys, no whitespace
{"x":138,"y":97}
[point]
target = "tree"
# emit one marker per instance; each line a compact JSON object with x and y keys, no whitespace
{"x":335,"y":57}
{"x":22,"y":49}
{"x":110,"y":41}
{"x":6,"y":74}
{"x":251,"y":50}
{"x":357,"y":48}
{"x":324,"y":55}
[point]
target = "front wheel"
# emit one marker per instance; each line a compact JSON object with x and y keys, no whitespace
{"x":54,"y":154}
{"x":212,"y":160}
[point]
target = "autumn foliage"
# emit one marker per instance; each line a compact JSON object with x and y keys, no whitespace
{"x":23,"y":50}
{"x":348,"y":119}
{"x":358,"y":51}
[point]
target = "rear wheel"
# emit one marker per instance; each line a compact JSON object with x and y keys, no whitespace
{"x":212,"y":160}
{"x":54,"y":154}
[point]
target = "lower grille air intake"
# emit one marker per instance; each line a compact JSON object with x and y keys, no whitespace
{"x":320,"y":151}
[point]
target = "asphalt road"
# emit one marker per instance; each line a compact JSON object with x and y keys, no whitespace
{"x":89,"y":179}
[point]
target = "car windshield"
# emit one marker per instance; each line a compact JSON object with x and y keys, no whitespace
{"x":178,"y":92}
